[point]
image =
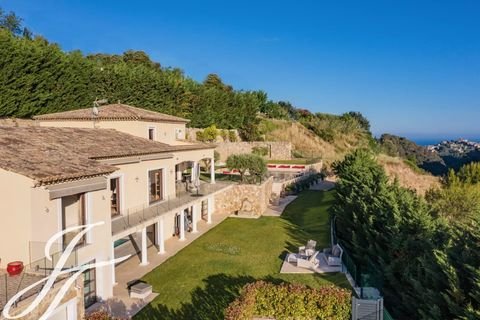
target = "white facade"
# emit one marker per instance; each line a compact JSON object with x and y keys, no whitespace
{"x":31,"y":215}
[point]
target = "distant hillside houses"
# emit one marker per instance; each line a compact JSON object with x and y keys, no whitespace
{"x":460,"y":146}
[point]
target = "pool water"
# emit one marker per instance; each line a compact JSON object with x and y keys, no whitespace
{"x":119,"y":242}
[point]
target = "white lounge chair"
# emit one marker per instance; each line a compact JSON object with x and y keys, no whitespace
{"x":309,"y":249}
{"x":334,"y":255}
{"x":309,"y":263}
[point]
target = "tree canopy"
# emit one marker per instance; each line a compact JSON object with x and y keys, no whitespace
{"x":252,"y":164}
{"x":423,"y":255}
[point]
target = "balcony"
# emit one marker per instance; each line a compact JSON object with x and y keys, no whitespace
{"x":134,"y":217}
{"x":38,"y":268}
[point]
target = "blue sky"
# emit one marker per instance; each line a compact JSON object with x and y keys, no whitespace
{"x":412,"y":67}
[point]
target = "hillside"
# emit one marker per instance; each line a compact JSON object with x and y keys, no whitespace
{"x":309,"y":145}
{"x":408,"y":176}
{"x":396,"y":146}
{"x":444,"y":156}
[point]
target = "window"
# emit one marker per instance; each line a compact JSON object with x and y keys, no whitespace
{"x":115,"y":199}
{"x":151,"y":133}
{"x":179,"y":134}
{"x":155,"y":180}
{"x":89,"y":287}
{"x":73,"y":214}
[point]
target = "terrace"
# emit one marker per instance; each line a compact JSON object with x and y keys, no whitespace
{"x":135,"y":219}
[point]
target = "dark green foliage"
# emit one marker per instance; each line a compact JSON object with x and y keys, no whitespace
{"x":360,"y":118}
{"x":410,"y":249}
{"x":290,"y":301}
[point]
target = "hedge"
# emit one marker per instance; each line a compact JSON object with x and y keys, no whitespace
{"x":290,"y":301}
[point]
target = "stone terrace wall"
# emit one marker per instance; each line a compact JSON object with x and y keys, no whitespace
{"x":245,"y":199}
{"x":13,"y":122}
{"x":276,"y":150}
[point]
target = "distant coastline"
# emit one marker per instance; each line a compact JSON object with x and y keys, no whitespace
{"x":434,"y":141}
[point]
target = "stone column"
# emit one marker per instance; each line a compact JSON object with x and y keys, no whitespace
{"x":160,"y":236}
{"x":144,"y":247}
{"x":182,"y":225}
{"x":194,"y":218}
{"x":194,"y":171}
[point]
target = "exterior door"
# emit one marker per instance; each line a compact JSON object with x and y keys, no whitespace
{"x":115,"y":199}
{"x":73,"y":214}
{"x":155,"y":180}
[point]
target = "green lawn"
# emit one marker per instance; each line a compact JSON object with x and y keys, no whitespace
{"x":202,"y":279}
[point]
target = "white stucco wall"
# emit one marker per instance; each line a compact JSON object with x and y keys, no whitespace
{"x":164,"y":131}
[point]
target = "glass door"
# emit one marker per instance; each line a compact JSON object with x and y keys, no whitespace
{"x":115,"y":199}
{"x":89,"y":287}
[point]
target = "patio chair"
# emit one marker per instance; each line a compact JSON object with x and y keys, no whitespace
{"x":334,"y":255}
{"x":309,"y":249}
{"x":309,"y":263}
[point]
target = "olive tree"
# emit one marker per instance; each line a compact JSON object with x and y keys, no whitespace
{"x":251,"y":163}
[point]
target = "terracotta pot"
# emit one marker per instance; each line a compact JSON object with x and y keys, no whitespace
{"x":14,"y":268}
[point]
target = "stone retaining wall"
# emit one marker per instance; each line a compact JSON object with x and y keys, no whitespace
{"x":245,"y":199}
{"x":15,"y":122}
{"x":276,"y":150}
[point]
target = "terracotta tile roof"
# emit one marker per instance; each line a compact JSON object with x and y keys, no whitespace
{"x":50,"y":155}
{"x":112,"y":112}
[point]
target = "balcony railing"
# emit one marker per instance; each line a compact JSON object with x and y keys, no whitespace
{"x":137,"y":215}
{"x":38,"y":268}
{"x":40,"y":265}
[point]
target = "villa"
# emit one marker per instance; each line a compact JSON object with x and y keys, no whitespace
{"x":127,"y":167}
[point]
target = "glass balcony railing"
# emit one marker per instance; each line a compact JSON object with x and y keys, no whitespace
{"x":135,"y":216}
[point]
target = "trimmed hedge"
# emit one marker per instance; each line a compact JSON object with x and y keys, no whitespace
{"x":100,"y":315}
{"x":304,"y":184}
{"x":290,"y":301}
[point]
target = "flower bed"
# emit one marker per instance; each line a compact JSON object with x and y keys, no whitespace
{"x":290,"y":301}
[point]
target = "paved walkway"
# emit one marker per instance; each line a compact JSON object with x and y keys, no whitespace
{"x":122,"y":305}
{"x":277,"y":210}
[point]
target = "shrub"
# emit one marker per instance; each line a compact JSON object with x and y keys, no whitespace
{"x":224,"y":134}
{"x":232,"y":136}
{"x":200,"y":136}
{"x":100,"y":315}
{"x":290,"y":301}
{"x":260,"y":151}
{"x":210,"y":134}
